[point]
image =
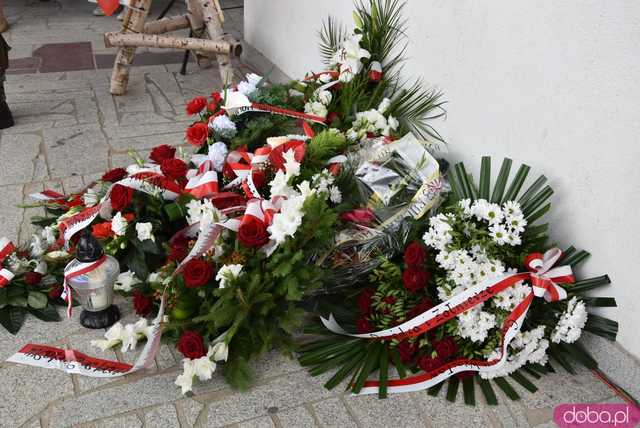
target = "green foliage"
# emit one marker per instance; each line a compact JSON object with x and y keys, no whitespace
{"x":320,"y":149}
{"x":259,"y":128}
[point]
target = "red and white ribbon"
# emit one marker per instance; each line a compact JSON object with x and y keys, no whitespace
{"x":77,"y":270}
{"x":6,"y":248}
{"x":5,"y":277}
{"x":146,"y":181}
{"x":47,"y":195}
{"x":542,"y":275}
{"x":72,"y":361}
{"x":237,"y":104}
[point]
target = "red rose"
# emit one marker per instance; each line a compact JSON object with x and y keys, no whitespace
{"x":216,"y":97}
{"x":363,"y":325}
{"x":121,"y":197}
{"x":415,"y":279}
{"x":32,"y":278}
{"x":174,"y":168}
{"x":212,"y":107}
{"x":424,"y":305}
{"x":446,"y":347}
{"x":161,"y":153}
{"x":179,"y":250}
{"x":191,"y":345}
{"x":407,"y":350}
{"x":196,"y":105}
{"x":197,"y":134}
{"x":55,"y":292}
{"x":252,"y":232}
{"x":114,"y":175}
{"x":102,"y":230}
{"x":363,"y":216}
{"x":414,"y":255}
{"x":142,"y":303}
{"x":197,"y":273}
{"x":428,"y":364}
{"x":365,"y":300}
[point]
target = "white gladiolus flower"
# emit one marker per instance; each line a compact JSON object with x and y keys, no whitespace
{"x":119,"y":224}
{"x":126,"y":281}
{"x":335,"y":195}
{"x":228,"y":272}
{"x":144,"y":231}
{"x":291,"y":165}
{"x":219,"y":351}
{"x":90,"y":198}
{"x":253,"y":79}
{"x":384,"y":105}
{"x":185,"y":380}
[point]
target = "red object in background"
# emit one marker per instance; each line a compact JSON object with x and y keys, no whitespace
{"x":109,"y":6}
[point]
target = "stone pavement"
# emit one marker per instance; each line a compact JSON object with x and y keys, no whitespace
{"x":69,"y":129}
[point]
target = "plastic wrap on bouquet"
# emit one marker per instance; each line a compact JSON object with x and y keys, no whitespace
{"x":396,"y":180}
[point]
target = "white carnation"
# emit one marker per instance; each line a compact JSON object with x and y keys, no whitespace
{"x":571,"y":322}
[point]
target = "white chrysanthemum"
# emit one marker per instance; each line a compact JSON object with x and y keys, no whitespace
{"x":223,"y":127}
{"x":571,"y":322}
{"x":227,"y":273}
{"x":511,"y":297}
{"x":499,"y":233}
{"x":512,"y":208}
{"x":526,"y":347}
{"x":465,"y":204}
{"x":126,"y":281}
{"x":119,"y":224}
{"x":475,"y":324}
{"x":516,"y":223}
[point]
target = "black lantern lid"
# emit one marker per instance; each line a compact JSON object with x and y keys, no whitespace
{"x":88,"y":249}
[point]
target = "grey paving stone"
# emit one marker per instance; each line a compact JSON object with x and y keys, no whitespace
{"x":296,"y":417}
{"x":332,"y":413}
{"x":36,"y":331}
{"x":165,"y":358}
{"x":134,"y":102}
{"x":10,"y":214}
{"x":189,"y":410}
{"x":274,"y":364}
{"x":147,"y":142}
{"x":440,"y":412}
{"x":283,"y":392}
{"x":75,"y":150}
{"x":18,"y":154}
{"x":127,"y":421}
{"x":161,"y":417}
{"x":263,"y":422}
{"x":147,"y":391}
{"x":139,"y":130}
{"x":27,"y":390}
{"x":396,"y":410}
{"x":615,"y":362}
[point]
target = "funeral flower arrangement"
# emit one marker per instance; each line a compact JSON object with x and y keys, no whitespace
{"x":473,"y":292}
{"x":322,"y":197}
